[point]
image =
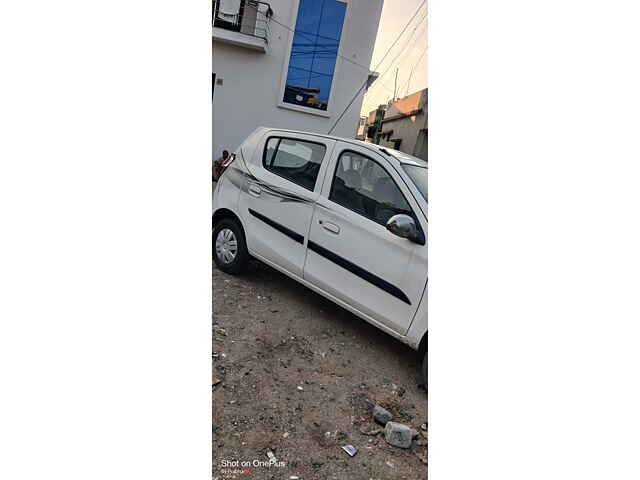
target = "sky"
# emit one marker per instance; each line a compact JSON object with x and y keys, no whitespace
{"x":410,"y":48}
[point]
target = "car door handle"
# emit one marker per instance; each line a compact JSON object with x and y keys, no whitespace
{"x":331,"y":227}
{"x":255,"y":190}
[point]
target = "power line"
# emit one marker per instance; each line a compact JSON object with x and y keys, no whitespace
{"x":379,"y":63}
{"x":413,"y":68}
{"x":348,"y":59}
{"x":386,"y":87}
{"x":309,"y":34}
{"x":401,"y":33}
{"x":374,"y":92}
{"x":402,"y":50}
{"x":405,"y":84}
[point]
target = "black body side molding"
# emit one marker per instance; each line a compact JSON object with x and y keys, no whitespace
{"x":360,"y":272}
{"x":296,"y":237}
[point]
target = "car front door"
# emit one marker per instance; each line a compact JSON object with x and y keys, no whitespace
{"x":351,"y":254}
{"x":278,"y":198}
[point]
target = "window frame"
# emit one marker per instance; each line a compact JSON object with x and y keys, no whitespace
{"x":280,"y":103}
{"x":333,"y":179}
{"x":280,"y":138}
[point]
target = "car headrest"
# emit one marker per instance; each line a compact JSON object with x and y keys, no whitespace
{"x":385,"y":191}
{"x":352,"y":179}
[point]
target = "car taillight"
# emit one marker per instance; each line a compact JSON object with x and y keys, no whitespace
{"x":229,"y":160}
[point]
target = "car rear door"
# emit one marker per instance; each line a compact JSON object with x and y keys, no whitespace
{"x":278,"y":197}
{"x":351,"y":255}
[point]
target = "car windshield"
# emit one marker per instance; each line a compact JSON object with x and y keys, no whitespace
{"x":419,"y":177}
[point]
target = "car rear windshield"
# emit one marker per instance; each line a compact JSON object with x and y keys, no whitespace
{"x":419,"y":177}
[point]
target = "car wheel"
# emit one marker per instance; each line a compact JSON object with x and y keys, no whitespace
{"x":229,"y":246}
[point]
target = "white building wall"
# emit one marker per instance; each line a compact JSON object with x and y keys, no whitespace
{"x":253,"y":82}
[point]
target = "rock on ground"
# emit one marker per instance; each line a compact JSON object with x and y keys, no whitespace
{"x":399,"y":435}
{"x":381,"y":415}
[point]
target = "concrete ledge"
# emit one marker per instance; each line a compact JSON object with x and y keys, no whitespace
{"x":239,"y":39}
{"x":308,"y":110}
{"x":402,"y":115}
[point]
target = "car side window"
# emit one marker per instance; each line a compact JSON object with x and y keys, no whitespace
{"x":296,"y":160}
{"x":364,"y":186}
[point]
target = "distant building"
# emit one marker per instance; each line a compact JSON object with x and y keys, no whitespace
{"x":292,"y":64}
{"x":403,"y":125}
{"x":361,"y":133}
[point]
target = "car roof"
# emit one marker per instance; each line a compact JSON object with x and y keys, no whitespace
{"x":399,"y":157}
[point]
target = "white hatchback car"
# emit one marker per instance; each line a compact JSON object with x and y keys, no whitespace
{"x":347,"y":219}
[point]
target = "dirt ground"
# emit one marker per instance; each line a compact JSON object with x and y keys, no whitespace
{"x":295,"y":374}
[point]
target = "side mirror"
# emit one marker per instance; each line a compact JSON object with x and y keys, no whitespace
{"x":405,"y":227}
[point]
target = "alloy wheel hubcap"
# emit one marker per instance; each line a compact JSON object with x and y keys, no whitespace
{"x":226,"y":246}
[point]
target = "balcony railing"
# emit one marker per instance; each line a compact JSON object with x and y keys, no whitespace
{"x":252,"y":18}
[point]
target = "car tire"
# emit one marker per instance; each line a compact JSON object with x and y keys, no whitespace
{"x":425,"y":370}
{"x":229,"y":246}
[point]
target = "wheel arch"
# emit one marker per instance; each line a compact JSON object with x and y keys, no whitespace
{"x":223,"y":213}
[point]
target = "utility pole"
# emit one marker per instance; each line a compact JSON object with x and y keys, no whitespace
{"x":395,"y":83}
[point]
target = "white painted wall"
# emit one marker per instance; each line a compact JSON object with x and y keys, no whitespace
{"x":253,"y":81}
